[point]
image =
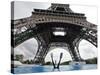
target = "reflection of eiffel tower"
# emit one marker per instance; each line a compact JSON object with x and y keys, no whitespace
{"x":55,"y":65}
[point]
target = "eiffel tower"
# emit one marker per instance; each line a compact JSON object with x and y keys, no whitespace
{"x":43,"y":24}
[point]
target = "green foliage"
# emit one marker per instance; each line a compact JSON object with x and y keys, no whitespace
{"x":28,"y":62}
{"x":91,"y":61}
{"x":65,"y":63}
{"x":47,"y":63}
{"x":19,"y":58}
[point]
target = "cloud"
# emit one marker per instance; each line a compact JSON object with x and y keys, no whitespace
{"x":28,"y":48}
{"x":91,"y":17}
{"x":24,"y":9}
{"x":87,"y":50}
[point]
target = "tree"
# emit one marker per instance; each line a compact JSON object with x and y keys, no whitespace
{"x":19,"y":58}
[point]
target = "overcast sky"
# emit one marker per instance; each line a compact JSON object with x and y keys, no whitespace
{"x":29,"y":47}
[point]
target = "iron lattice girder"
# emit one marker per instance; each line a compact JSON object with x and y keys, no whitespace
{"x":38,"y":18}
{"x":41,"y":55}
{"x":72,"y":33}
{"x":40,"y":29}
{"x":42,"y":49}
{"x":53,"y":15}
{"x":19,"y":38}
{"x":47,"y":16}
{"x":43,"y":22}
{"x":74,"y":53}
{"x":91,"y":36}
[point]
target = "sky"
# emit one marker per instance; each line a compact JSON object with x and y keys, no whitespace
{"x":29,"y":47}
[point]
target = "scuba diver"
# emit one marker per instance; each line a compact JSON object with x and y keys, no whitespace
{"x":55,"y":65}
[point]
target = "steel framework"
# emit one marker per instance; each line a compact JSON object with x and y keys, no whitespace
{"x":60,"y":18}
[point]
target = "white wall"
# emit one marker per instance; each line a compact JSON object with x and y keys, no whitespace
{"x":5,"y":36}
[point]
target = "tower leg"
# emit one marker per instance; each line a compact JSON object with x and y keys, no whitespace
{"x":73,"y":52}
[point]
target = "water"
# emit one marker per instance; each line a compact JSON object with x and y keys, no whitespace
{"x":35,"y":69}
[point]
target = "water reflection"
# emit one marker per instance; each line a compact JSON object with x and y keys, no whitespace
{"x":35,"y":69}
